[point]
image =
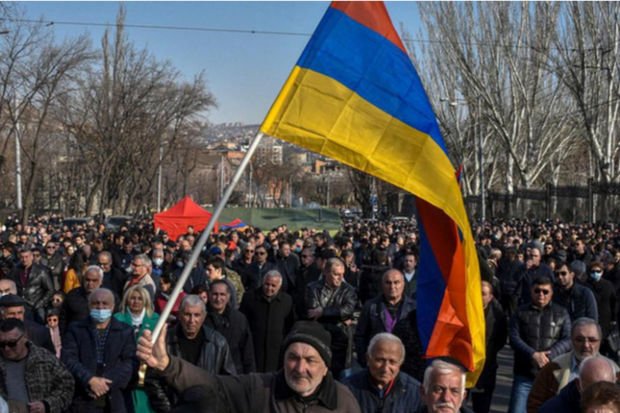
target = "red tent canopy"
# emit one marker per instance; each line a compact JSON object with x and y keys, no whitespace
{"x":177,"y":218}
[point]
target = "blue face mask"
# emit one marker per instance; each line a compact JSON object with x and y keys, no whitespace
{"x":596,"y":275}
{"x":100,"y":314}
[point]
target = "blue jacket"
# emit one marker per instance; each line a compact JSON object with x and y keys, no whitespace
{"x":403,"y":397}
{"x":80,"y":356}
{"x":579,"y":301}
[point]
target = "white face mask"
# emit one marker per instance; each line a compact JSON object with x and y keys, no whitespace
{"x":158,"y":261}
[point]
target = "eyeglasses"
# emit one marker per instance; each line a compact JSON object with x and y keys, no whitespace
{"x":250,"y":251}
{"x":261,"y":253}
{"x":562,"y":273}
{"x":581,"y":339}
{"x":50,"y":247}
{"x":10,"y":344}
{"x":542,"y":290}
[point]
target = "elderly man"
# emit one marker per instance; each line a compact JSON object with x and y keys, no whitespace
{"x":539,"y":332}
{"x":113,"y":278}
{"x":592,"y":370}
{"x":443,"y":389}
{"x":531,"y":269}
{"x":270,"y":315}
{"x":32,"y":377}
{"x":232,"y":324}
{"x":196,"y":342}
{"x":304,"y":384}
{"x":586,"y":342}
{"x":75,"y":305}
{"x":100,"y":353}
{"x":13,"y":306}
{"x":141,"y":274}
{"x":332,"y":302}
{"x":34,"y":283}
{"x":381,"y":313}
{"x":382,"y":387}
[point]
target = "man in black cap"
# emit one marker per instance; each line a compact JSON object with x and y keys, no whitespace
{"x":13,"y":306}
{"x":304,"y":384}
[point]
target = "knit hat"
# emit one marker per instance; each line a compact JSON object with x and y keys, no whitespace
{"x":312,"y":333}
{"x":12,"y":300}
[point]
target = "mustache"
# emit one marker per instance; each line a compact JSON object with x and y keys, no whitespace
{"x":444,"y":404}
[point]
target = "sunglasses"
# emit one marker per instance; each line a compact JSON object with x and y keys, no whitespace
{"x":250,"y":251}
{"x":541,"y":290}
{"x":261,"y":253}
{"x":10,"y":344}
{"x":562,"y":273}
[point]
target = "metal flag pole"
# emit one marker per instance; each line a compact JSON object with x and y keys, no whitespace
{"x":204,"y":236}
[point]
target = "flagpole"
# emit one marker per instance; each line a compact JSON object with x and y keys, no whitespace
{"x":204,"y":236}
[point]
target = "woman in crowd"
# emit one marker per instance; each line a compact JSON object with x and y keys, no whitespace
{"x":137,"y":311}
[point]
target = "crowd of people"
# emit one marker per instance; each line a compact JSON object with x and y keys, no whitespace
{"x":281,"y":320}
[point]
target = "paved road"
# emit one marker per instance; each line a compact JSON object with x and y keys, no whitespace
{"x":501,"y":397}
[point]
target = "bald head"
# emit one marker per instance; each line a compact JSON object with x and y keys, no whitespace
{"x":595,"y":369}
{"x":7,"y":287}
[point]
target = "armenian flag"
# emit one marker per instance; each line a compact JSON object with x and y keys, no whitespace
{"x":355,"y":96}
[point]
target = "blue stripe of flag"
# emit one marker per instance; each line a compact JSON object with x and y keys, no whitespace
{"x":373,"y":67}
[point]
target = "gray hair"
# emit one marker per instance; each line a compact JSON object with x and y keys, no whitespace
{"x":145,"y":260}
{"x":586,"y":321}
{"x":442,"y":367}
{"x":99,"y":291}
{"x":193,"y":300}
{"x":95,"y":268}
{"x":273,"y":273}
{"x":377,"y":338}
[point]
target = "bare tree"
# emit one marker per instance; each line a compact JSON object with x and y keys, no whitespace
{"x":129,"y":107}
{"x":493,"y":56}
{"x":587,"y":62}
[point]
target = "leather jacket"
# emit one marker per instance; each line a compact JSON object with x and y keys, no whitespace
{"x":338,"y":304}
{"x":215,"y":354}
{"x":39,"y":288}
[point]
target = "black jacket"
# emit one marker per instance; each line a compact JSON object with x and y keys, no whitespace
{"x":338,"y":305}
{"x":38,"y":289}
{"x":39,"y":335}
{"x":533,"y":329}
{"x":80,"y":356}
{"x":407,"y":330}
{"x":496,"y":332}
{"x":233,"y":325}
{"x":269,"y":322}
{"x":605,"y":295}
{"x":288,"y":267}
{"x":215,"y":355}
{"x":373,"y":321}
{"x":252,"y":276}
{"x":403,"y":397}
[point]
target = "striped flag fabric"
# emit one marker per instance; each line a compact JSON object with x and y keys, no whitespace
{"x":355,"y":96}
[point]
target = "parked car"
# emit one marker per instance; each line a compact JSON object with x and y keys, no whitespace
{"x":115,"y":222}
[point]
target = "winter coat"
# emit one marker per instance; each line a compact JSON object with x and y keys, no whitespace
{"x":402,"y":397}
{"x":80,"y":356}
{"x":269,"y":322}
{"x":215,"y":355}
{"x":38,"y":290}
{"x":538,"y":329}
{"x":46,"y":378}
{"x":265,"y":393}
{"x":233,"y":325}
{"x":373,"y":321}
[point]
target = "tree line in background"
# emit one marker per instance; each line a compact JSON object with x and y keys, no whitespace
{"x":534,"y":86}
{"x":536,"y":82}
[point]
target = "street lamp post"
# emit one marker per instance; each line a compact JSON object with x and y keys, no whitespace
{"x":479,"y":152}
